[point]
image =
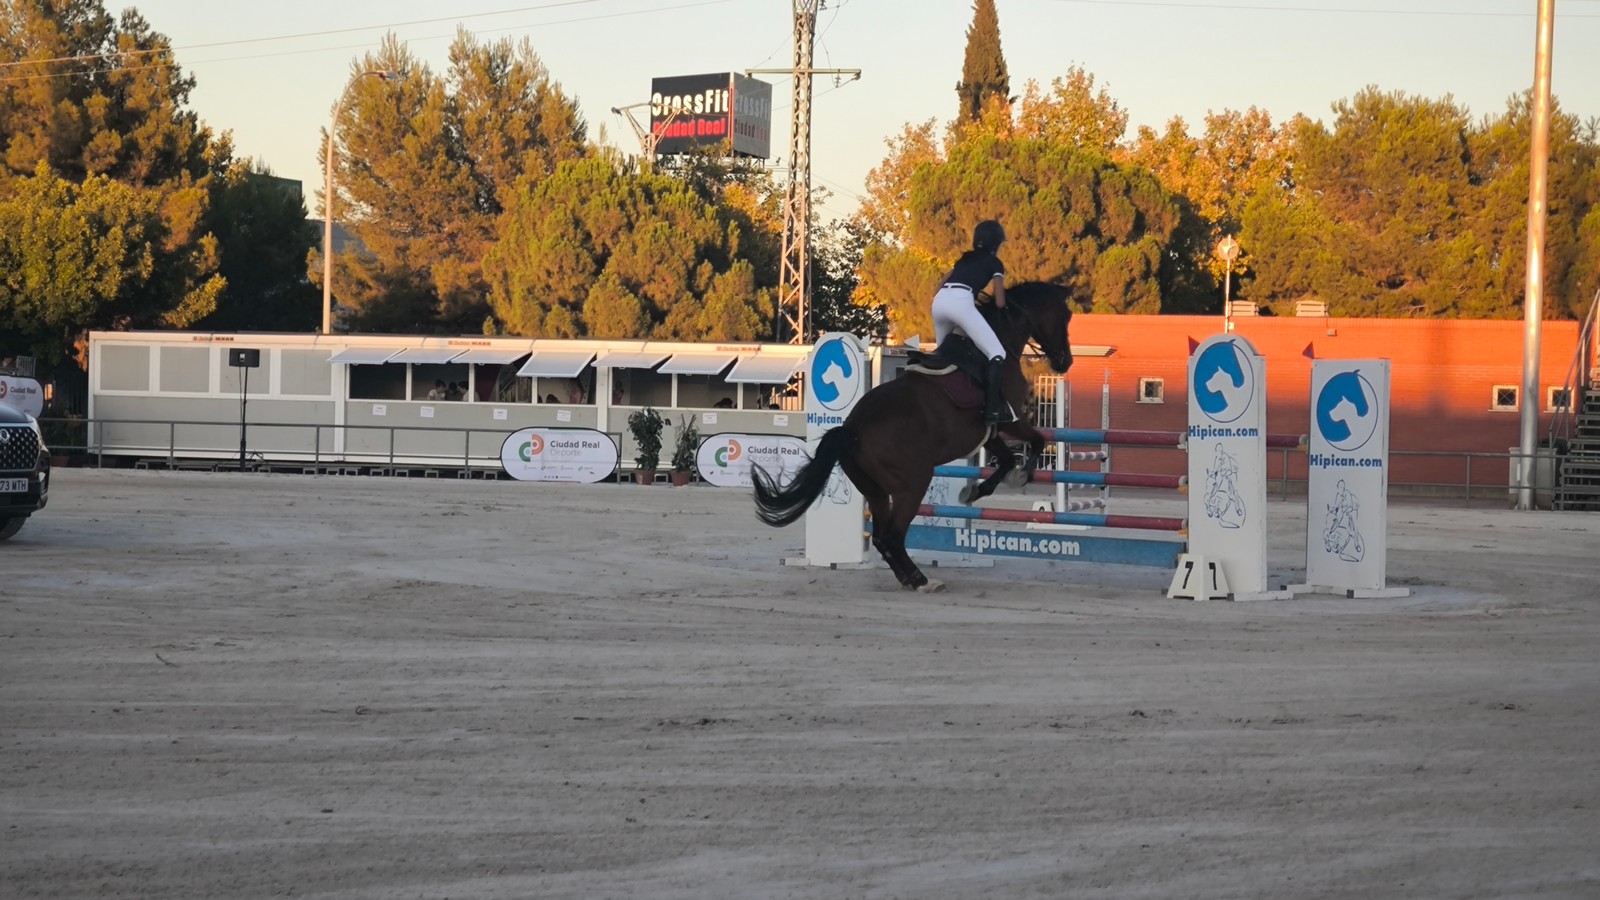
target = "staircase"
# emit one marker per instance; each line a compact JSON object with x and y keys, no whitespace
{"x":1578,"y":481}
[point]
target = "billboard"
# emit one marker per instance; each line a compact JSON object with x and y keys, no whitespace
{"x":559,"y":454}
{"x":724,"y":459}
{"x":23,"y":393}
{"x":691,"y":111}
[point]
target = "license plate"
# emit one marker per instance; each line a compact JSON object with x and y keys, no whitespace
{"x":13,"y":485}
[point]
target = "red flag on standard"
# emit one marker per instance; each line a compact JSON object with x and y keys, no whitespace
{"x":1193,"y":344}
{"x":1309,"y":352}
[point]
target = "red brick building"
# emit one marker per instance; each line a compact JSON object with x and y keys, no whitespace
{"x":1455,"y":383}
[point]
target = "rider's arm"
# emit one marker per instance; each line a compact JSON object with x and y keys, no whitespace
{"x":998,"y":288}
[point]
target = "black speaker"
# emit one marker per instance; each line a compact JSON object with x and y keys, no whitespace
{"x":240,"y":358}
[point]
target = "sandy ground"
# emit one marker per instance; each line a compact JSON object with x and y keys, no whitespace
{"x":227,"y":686}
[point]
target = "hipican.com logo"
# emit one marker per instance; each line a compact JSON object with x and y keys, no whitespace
{"x":1347,"y":411}
{"x":836,"y":375}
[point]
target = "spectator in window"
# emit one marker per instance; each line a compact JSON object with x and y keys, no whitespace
{"x":724,"y":403}
{"x":438,"y":392}
{"x":454,"y":392}
{"x":575,"y":392}
{"x":551,"y":399}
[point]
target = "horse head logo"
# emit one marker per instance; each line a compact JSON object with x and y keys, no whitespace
{"x":1347,"y":411}
{"x":835,"y":374}
{"x":1224,"y":382}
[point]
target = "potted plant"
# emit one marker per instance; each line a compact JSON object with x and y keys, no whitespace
{"x":683,"y":451}
{"x":645,"y":425}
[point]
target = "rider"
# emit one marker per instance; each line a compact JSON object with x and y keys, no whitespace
{"x":955,"y":306}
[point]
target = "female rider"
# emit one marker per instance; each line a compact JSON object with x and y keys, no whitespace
{"x":956,"y":306}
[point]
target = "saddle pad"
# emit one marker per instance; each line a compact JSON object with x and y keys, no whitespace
{"x":928,"y":370}
{"x":956,"y":385}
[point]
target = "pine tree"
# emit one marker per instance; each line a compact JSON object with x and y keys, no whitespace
{"x":983,"y":73}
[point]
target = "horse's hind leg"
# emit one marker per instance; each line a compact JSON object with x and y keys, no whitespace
{"x":1004,"y":462}
{"x":882,"y":518}
{"x":903,"y":510}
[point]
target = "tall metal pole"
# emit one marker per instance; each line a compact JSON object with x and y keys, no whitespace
{"x":1538,"y":211}
{"x":327,"y":200}
{"x":794,"y":275}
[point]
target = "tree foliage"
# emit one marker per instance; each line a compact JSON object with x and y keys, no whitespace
{"x":263,"y":237}
{"x":602,"y":249}
{"x":108,"y":178}
{"x":424,"y":166}
{"x":1073,"y":217}
{"x":1404,"y":206}
{"x":101,"y":254}
{"x":983,"y":70}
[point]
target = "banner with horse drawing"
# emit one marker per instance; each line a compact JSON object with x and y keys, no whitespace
{"x":1348,"y":479}
{"x":1228,"y":459}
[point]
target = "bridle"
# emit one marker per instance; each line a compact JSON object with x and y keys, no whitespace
{"x":1034,"y":329}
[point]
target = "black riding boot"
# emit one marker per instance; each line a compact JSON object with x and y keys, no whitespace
{"x":994,"y":411}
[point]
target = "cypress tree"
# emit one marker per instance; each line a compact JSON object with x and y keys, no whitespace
{"x":983,"y":73}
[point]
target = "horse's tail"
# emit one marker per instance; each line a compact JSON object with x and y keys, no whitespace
{"x":784,"y":506}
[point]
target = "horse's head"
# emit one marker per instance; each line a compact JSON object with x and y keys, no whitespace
{"x":1040,"y":312}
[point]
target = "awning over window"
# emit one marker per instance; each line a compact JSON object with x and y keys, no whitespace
{"x":697,"y":363}
{"x":765,"y":369}
{"x":555,"y":363}
{"x":426,"y":355}
{"x":362,"y":356}
{"x":488,"y":356}
{"x":629,"y":359}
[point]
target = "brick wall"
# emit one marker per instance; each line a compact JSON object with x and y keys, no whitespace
{"x":1443,"y":372}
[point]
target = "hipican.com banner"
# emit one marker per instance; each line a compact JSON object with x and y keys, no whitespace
{"x":1228,"y":459}
{"x":837,"y":375}
{"x":1347,"y":503}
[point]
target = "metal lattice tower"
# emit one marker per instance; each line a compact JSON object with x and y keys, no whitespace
{"x":794,"y":277}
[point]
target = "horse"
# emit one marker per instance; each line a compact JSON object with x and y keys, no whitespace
{"x":900,"y":430}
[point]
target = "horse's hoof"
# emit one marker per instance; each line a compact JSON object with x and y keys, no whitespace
{"x":967,"y":494}
{"x":1016,"y":478}
{"x":932,"y":587}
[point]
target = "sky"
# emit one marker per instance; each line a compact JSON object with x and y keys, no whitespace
{"x":269,"y":72}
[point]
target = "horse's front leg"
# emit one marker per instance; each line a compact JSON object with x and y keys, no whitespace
{"x":1004,"y":463}
{"x":1032,"y":449}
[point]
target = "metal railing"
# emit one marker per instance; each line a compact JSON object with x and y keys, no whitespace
{"x":1577,"y":378}
{"x":1285,"y":481}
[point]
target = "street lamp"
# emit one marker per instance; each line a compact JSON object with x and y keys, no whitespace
{"x":1227,"y":251}
{"x":327,"y":199}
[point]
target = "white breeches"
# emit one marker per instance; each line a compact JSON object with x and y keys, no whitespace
{"x":955,"y":307}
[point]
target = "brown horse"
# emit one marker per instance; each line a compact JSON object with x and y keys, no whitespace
{"x":890,"y":443}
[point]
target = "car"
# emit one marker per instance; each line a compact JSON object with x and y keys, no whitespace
{"x":24,"y":469}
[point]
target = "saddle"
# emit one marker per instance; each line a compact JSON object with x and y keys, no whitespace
{"x":957,"y":356}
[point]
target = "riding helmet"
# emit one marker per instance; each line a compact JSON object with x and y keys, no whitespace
{"x":988,"y":236}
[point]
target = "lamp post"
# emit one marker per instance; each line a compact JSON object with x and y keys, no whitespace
{"x":1227,"y":251}
{"x":327,"y":199}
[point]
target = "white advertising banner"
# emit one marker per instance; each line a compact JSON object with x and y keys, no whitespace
{"x":559,"y":454}
{"x":724,"y":459}
{"x":837,"y":375}
{"x":1228,"y":460}
{"x":22,"y":393}
{"x":1347,"y":490}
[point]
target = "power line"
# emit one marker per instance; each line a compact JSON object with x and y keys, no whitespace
{"x":192,"y":63}
{"x":1317,"y":9}
{"x":85,"y":57}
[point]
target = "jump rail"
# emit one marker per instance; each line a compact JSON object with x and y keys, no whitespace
{"x":1094,"y":479}
{"x":1093,"y":520}
{"x":1152,"y":438}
